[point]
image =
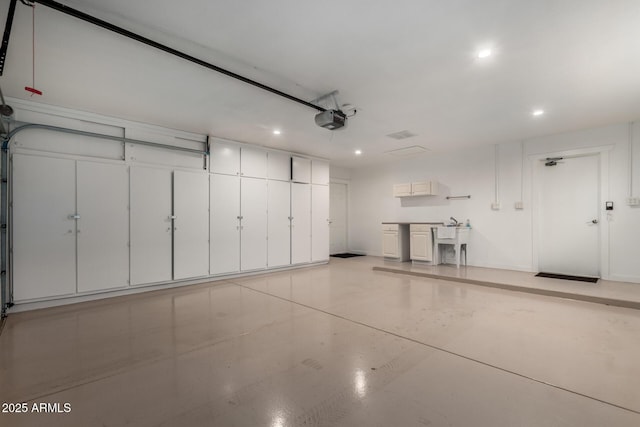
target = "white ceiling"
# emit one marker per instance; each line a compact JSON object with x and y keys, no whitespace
{"x":405,"y":65}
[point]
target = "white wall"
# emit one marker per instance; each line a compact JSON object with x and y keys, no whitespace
{"x":503,"y":238}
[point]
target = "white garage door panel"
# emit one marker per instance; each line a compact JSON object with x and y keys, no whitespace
{"x":150,"y":225}
{"x":103,"y":227}
{"x":253,"y":194}
{"x":191,"y":226}
{"x":44,"y":239}
{"x":279,"y":210}
{"x":225,"y":227}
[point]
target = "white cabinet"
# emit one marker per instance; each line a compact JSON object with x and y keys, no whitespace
{"x":390,"y":241}
{"x":103,"y":226}
{"x":425,"y":188}
{"x":224,"y":224}
{"x":421,"y":246}
{"x":395,"y":241}
{"x":225,"y":158}
{"x":279,"y":224}
{"x":300,"y":169}
{"x":191,"y":219}
{"x":44,"y":230}
{"x":300,"y":223}
{"x":410,"y":189}
{"x":402,"y":190}
{"x":319,"y":223}
{"x":253,"y":162}
{"x":279,"y":166}
{"x":319,"y":172}
{"x":70,"y":228}
{"x":253,"y":223}
{"x":150,"y":222}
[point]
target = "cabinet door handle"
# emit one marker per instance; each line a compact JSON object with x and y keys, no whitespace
{"x":74,"y":216}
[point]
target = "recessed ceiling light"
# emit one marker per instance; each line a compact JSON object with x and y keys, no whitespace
{"x":358,"y":152}
{"x":537,"y":113}
{"x":484,"y":53}
{"x":277,"y":132}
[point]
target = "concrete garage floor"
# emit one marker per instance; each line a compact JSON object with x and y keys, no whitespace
{"x":335,"y":345}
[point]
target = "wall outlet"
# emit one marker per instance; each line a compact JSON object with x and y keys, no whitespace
{"x":633,"y":201}
{"x":495,"y":206}
{"x":519,"y":205}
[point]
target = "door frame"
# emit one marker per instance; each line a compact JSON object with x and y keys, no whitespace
{"x":346,"y":207}
{"x":603,"y":194}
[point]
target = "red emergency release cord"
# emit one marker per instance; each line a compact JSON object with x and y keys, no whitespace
{"x":33,"y":90}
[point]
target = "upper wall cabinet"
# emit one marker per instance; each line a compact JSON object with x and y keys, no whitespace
{"x":225,"y":158}
{"x":411,"y":189}
{"x":319,"y":172}
{"x":300,"y":170}
{"x":253,"y":162}
{"x":279,"y":166}
{"x":402,"y":190}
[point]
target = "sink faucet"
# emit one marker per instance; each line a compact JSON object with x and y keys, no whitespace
{"x":455,"y":221}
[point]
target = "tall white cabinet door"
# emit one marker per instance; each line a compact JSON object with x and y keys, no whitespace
{"x":150,"y":222}
{"x":319,"y":223}
{"x":191,"y":224}
{"x":44,"y":231}
{"x":253,"y":227}
{"x":103,"y":226}
{"x":224,"y":226}
{"x":300,"y":223}
{"x":253,"y":162}
{"x":225,"y":158}
{"x":279,"y":225}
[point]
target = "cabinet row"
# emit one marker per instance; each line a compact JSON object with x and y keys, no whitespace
{"x":232,"y":159}
{"x":80,"y":226}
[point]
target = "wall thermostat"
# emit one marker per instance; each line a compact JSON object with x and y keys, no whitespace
{"x":608,"y":206}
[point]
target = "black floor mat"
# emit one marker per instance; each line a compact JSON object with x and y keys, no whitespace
{"x":345,"y":255}
{"x":567,"y":277}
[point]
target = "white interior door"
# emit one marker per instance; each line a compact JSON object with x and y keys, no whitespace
{"x":319,"y":222}
{"x":279,"y":230}
{"x":44,"y":230}
{"x":300,"y":223}
{"x":338,"y":216}
{"x":225,"y":224}
{"x":253,"y":226}
{"x":150,"y":222}
{"x":191,"y":224}
{"x":569,"y":217}
{"x":103,"y":226}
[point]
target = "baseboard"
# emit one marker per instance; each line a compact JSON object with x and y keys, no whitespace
{"x":66,"y":300}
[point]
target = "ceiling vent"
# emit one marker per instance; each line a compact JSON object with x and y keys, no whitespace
{"x":407,"y":151}
{"x":403,"y":134}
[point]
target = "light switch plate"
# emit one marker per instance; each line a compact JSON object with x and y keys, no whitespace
{"x":495,"y":206}
{"x":519,"y":205}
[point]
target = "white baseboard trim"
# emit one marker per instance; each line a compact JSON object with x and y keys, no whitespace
{"x":101,"y":295}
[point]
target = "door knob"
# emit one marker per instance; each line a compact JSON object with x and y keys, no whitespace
{"x":593,"y":221}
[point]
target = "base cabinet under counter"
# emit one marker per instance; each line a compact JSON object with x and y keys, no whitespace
{"x":408,"y":241}
{"x":421,"y":242}
{"x":395,"y":242}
